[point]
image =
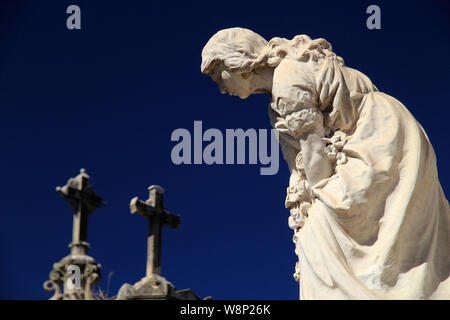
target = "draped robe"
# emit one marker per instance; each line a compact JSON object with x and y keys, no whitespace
{"x":378,"y":227}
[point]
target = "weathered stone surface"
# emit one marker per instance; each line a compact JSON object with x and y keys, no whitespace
{"x":370,"y":218}
{"x":154,"y":287}
{"x":90,"y":276}
{"x":83,"y":200}
{"x":157,"y":216}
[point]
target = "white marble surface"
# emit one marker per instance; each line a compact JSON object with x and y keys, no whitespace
{"x":369,"y":215}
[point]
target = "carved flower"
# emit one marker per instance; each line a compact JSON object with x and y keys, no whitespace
{"x":334,"y":147}
{"x":296,"y":274}
{"x":331,"y":152}
{"x":295,"y":237}
{"x":339,"y":139}
{"x":296,"y":222}
{"x":295,"y":194}
{"x":341,"y":158}
{"x":298,"y":216}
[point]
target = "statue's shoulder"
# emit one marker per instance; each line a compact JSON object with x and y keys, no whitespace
{"x":291,"y":67}
{"x":292,"y":76}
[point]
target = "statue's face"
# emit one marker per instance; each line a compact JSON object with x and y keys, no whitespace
{"x":234,"y":84}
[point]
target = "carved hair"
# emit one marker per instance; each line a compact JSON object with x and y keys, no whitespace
{"x":242,"y":50}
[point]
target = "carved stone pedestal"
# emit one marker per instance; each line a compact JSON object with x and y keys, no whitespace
{"x":154,"y":287}
{"x":89,"y":276}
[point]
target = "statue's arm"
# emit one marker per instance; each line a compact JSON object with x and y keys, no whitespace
{"x":304,"y":124}
{"x":317,"y":164}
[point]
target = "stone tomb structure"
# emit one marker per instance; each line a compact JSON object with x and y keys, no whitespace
{"x":83,"y":200}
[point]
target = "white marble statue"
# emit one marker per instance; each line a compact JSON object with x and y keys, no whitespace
{"x":371,"y":220}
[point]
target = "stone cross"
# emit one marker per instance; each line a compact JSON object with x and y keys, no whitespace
{"x":82,"y":198}
{"x":158,"y":217}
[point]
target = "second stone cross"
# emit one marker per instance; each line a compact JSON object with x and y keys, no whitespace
{"x":158,"y":217}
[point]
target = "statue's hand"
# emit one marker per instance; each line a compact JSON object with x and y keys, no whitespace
{"x":306,"y":126}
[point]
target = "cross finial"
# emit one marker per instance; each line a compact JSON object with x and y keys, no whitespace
{"x":83,"y":200}
{"x":158,"y":217}
{"x":156,"y":196}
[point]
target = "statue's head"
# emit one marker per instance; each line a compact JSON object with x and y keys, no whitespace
{"x":230,"y":58}
{"x":241,"y":62}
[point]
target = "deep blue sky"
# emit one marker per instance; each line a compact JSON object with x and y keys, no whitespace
{"x":107,"y":98}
